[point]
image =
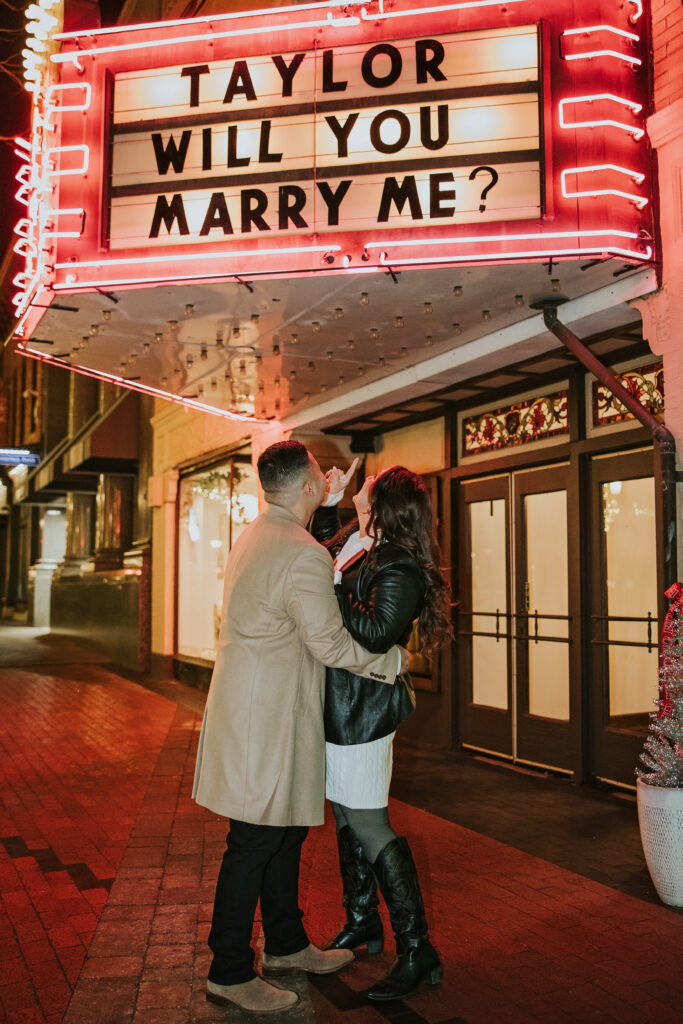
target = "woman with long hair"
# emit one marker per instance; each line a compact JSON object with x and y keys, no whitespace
{"x":386,"y":579}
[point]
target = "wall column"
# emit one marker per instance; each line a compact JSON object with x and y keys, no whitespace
{"x":662,"y":311}
{"x":80,"y":519}
{"x":114,"y":527}
{"x":162,"y":493}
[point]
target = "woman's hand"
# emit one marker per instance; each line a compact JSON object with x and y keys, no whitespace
{"x":362,"y":503}
{"x":337,"y":480}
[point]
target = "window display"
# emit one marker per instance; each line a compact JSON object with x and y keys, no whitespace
{"x":215,"y":506}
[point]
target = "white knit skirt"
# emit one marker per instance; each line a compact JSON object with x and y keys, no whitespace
{"x":358,"y":775}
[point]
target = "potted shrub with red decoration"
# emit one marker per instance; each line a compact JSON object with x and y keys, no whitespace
{"x":660,"y":787}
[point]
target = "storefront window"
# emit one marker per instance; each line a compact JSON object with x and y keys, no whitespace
{"x":215,"y":506}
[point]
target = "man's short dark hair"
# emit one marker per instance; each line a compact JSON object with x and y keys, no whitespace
{"x":281,"y":465}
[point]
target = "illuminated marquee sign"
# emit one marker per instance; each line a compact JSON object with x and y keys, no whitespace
{"x":431,"y":130}
{"x":338,"y":136}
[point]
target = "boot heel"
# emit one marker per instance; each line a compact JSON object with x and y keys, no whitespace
{"x":375,"y":945}
{"x":435,"y":976}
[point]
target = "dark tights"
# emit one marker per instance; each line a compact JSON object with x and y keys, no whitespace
{"x":371,"y":827}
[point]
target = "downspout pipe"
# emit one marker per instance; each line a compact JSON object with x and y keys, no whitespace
{"x":665,"y":445}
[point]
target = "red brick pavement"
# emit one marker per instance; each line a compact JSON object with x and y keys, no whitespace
{"x":77,"y":757}
{"x":101,"y":776}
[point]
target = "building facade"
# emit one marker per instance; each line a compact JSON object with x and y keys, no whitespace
{"x":522,"y":167}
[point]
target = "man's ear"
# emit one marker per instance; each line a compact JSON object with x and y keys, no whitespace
{"x":308,"y":488}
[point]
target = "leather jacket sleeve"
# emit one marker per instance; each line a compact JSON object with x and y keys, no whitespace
{"x":387,"y":608}
{"x":325,"y":523}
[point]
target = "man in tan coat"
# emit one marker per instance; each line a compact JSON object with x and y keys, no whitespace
{"x":261,"y":757}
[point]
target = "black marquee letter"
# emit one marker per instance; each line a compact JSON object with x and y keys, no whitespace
{"x":206,"y":149}
{"x":217,"y":215}
{"x":171,"y":153}
{"x":437,"y":195}
{"x":287,"y":71}
{"x":240,"y":81}
{"x":333,"y":199}
{"x":233,"y":159}
{"x":400,"y":195}
{"x":342,"y":131}
{"x":429,"y":66}
{"x":193,"y":74}
{"x":426,"y":127}
{"x":168,"y":213}
{"x":329,"y":84}
{"x":394,"y":72}
{"x":254,"y":205}
{"x":292,"y":200}
{"x":404,"y":133}
{"x":264,"y":154}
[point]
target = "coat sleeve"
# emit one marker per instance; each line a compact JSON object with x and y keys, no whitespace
{"x":312,"y":605}
{"x":391,"y":603}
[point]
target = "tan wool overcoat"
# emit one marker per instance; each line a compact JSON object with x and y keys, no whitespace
{"x":261,"y":754}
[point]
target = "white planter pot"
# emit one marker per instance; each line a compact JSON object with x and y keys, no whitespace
{"x":660,"y":813}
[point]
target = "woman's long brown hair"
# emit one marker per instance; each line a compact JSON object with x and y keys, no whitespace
{"x":401,"y":514}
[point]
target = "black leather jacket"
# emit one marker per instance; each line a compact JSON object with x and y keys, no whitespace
{"x":379,"y":597}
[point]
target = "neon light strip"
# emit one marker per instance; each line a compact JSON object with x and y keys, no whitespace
{"x":530,"y":254}
{"x":25,"y":313}
{"x":638,"y":13}
{"x":74,"y":57}
{"x":23,"y":173}
{"x":85,"y":150}
{"x":135,"y":385}
{"x":601,"y":28}
{"x":497,"y":257}
{"x":603,"y":53}
{"x":198,"y":256}
{"x":23,"y":227}
{"x":210,"y":18}
{"x":86,"y":285}
{"x":48,"y":233}
{"x":61,"y":88}
{"x":381,"y":16}
{"x":460,"y":240}
{"x":640,"y":201}
{"x":268,"y":11}
{"x":635,"y":107}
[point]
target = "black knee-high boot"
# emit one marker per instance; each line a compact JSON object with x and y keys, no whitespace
{"x":416,"y":959}
{"x":363,"y":925}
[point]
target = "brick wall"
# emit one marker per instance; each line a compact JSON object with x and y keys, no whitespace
{"x":667,"y":44}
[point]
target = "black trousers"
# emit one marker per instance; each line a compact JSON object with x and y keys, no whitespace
{"x":261,"y":862}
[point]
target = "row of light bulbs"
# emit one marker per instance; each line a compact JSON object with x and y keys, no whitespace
{"x":399,"y":323}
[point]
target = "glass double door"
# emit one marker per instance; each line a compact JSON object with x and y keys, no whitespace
{"x":515,"y":623}
{"x":624,"y":630}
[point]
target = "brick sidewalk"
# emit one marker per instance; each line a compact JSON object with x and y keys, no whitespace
{"x":107,"y":871}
